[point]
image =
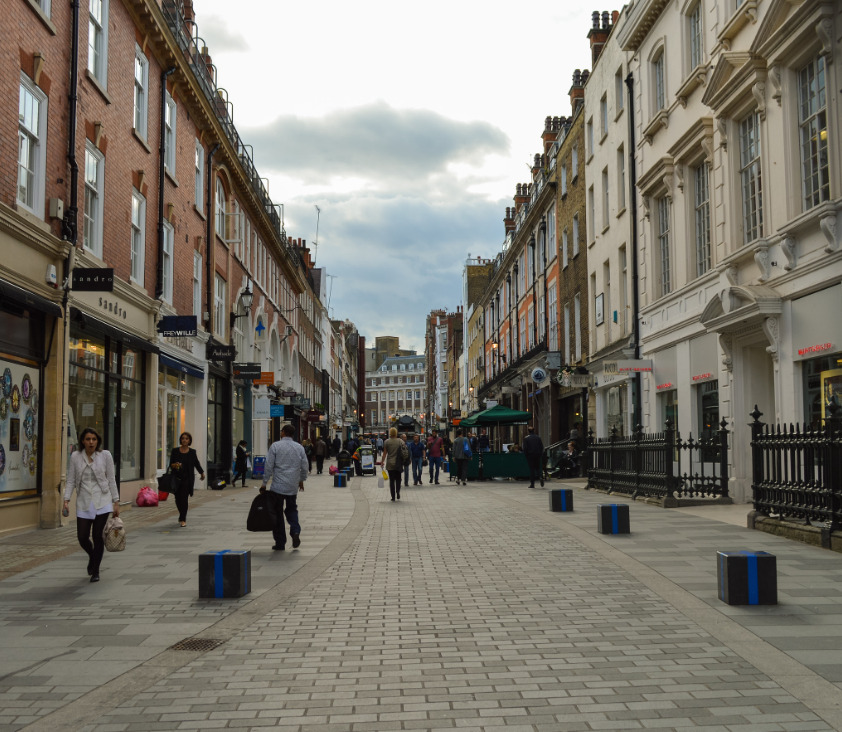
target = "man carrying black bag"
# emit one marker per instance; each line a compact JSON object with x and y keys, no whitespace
{"x":260,"y":518}
{"x":287,"y":467}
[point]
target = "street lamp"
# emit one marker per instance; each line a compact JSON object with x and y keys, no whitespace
{"x":244,"y":303}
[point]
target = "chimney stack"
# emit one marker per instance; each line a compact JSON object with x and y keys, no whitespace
{"x":598,"y":34}
{"x":577,"y":90}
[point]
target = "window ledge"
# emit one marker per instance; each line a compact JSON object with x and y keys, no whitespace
{"x":697,"y":77}
{"x":660,"y":120}
{"x":42,"y":16}
{"x":619,"y":113}
{"x":98,"y":86}
{"x":200,"y":212}
{"x":602,"y":139}
{"x":606,"y":227}
{"x":745,"y":14}
{"x":621,"y":212}
{"x":143,"y":142}
{"x":172,"y":178}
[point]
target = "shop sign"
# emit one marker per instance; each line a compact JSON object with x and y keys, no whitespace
{"x":627,"y":366}
{"x":266,"y":378}
{"x":288,"y":394}
{"x":580,"y":381}
{"x":247,"y":370}
{"x":455,"y":413}
{"x":261,"y":408}
{"x":221,"y":353}
{"x":664,"y":387}
{"x":818,"y":348}
{"x":707,"y":376}
{"x":92,"y":279}
{"x":276,"y":410}
{"x":174,"y":326}
{"x":301,"y":402}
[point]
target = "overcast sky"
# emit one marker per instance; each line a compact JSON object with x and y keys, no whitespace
{"x":408,"y":125}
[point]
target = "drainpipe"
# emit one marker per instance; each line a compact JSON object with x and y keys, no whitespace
{"x":70,"y":233}
{"x":534,"y":301}
{"x":638,"y":417}
{"x":209,"y":236}
{"x":159,"y":280}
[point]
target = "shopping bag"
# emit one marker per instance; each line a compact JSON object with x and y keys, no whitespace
{"x":146,"y":497}
{"x":380,"y":482}
{"x":259,"y":518}
{"x":384,"y":473}
{"x":114,"y":534}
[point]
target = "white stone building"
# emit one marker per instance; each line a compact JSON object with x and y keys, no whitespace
{"x":739,"y":176}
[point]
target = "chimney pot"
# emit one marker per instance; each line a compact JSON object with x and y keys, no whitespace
{"x":614,"y":16}
{"x":595,"y":19}
{"x":605,"y":16}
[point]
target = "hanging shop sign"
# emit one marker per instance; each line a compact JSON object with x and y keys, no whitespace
{"x":174,"y":326}
{"x":265,"y":378}
{"x":221,"y":353}
{"x":92,"y":279}
{"x":261,"y":408}
{"x":247,"y":370}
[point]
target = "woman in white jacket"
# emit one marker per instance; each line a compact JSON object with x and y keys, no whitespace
{"x":91,"y":475}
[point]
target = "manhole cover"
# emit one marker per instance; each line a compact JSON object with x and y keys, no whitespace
{"x":197,"y":644}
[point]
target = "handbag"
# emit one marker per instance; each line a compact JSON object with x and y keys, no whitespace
{"x":114,"y":534}
{"x":167,"y":483}
{"x":259,"y":518}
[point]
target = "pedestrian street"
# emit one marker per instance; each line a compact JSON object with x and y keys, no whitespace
{"x":456,"y":608}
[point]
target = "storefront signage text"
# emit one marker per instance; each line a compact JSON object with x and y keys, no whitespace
{"x":661,"y":387}
{"x":247,"y":370}
{"x":173,"y":326}
{"x":627,"y":366}
{"x":93,"y":279}
{"x":113,"y":307}
{"x":221,"y":353}
{"x":815,"y":349}
{"x":266,"y":378}
{"x":702,"y":377}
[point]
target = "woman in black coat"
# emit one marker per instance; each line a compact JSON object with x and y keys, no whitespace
{"x":183,"y":462}
{"x":241,"y":462}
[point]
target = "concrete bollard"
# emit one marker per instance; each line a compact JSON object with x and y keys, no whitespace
{"x":747,"y":578}
{"x":613,"y":518}
{"x":561,"y":499}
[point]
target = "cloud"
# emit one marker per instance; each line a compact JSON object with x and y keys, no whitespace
{"x":221,"y":37}
{"x":397,"y":257}
{"x":373,"y":142}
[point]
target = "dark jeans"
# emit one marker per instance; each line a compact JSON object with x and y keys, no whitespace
{"x":83,"y":534}
{"x":320,"y":463}
{"x":434,"y":462}
{"x":395,"y":482}
{"x":182,"y":497}
{"x":462,"y":469}
{"x":281,"y":505}
{"x":534,"y":462}
{"x":417,"y":469}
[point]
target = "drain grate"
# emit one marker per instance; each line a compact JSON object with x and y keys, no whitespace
{"x":197,"y":644}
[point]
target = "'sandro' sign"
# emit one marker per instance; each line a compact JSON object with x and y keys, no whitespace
{"x":93,"y":279}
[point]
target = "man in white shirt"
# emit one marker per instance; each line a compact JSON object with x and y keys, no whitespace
{"x":287,"y":467}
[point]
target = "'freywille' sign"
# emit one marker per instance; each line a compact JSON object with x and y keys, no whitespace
{"x":173,"y":326}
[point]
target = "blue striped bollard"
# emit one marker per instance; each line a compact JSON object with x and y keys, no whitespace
{"x":747,"y":578}
{"x":613,"y":518}
{"x":561,"y":499}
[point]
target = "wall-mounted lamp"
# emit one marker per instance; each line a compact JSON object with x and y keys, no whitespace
{"x":243,"y":303}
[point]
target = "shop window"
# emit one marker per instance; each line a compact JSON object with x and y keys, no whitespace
{"x":20,"y":450}
{"x":707,"y":395}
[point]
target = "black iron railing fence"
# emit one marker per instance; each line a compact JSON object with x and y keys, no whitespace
{"x":660,"y":465}
{"x":797,"y":470}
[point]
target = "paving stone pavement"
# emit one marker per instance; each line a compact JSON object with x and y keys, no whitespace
{"x":456,"y":608}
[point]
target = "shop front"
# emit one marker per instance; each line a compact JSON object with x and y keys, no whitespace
{"x":30,"y":432}
{"x":107,"y":391}
{"x":817,"y":346}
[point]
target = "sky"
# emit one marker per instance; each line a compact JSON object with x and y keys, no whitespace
{"x":407,"y":125}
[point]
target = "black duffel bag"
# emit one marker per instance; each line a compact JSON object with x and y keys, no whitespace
{"x":260,"y":519}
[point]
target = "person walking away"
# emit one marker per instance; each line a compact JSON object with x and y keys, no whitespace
{"x":435,"y":449}
{"x":91,"y":475}
{"x":533,"y":449}
{"x":394,"y":453}
{"x":462,"y":456}
{"x":407,"y":461}
{"x":308,"y":451}
{"x":320,"y":451}
{"x":379,"y":444}
{"x":416,"y":455}
{"x":183,"y":463}
{"x":287,"y":467}
{"x":336,"y":446}
{"x":241,"y":462}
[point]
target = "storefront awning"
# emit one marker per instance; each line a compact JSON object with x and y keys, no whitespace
{"x":181,"y":366}
{"x":88,"y":322}
{"x":18,"y":297}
